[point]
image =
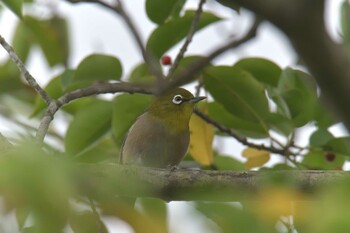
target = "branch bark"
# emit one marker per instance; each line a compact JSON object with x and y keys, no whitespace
{"x":189,"y":74}
{"x":28,"y":77}
{"x":188,"y":40}
{"x":95,"y":89}
{"x":303,"y":23}
{"x":190,"y":184}
{"x":231,"y":132}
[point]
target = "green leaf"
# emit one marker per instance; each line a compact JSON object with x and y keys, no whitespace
{"x":339,"y":145}
{"x":296,"y":79}
{"x":52,"y":37}
{"x":22,"y":41}
{"x":22,"y":214}
{"x":98,"y":67}
{"x":280,"y":124}
{"x":263,"y":70}
{"x":125,"y":113}
{"x":156,"y":209}
{"x":32,"y":229}
{"x":74,"y":106}
{"x":299,"y":113}
{"x":170,"y":33}
{"x":228,"y":163}
{"x":238,"y":92}
{"x":323,"y":117}
{"x":296,"y":85}
{"x":54,"y":89}
{"x":320,"y":137}
{"x":186,"y":63}
{"x":247,"y":128}
{"x":10,"y":78}
{"x":66,"y":78}
{"x":230,"y":218}
{"x":323,"y":160}
{"x":105,"y":150}
{"x":168,"y":8}
{"x":88,"y":126}
{"x":15,"y":6}
{"x":87,"y":222}
{"x":141,"y":74}
{"x":37,"y":180}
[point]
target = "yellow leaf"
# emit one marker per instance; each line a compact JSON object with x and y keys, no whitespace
{"x":276,"y":201}
{"x":202,"y":135}
{"x":255,"y":157}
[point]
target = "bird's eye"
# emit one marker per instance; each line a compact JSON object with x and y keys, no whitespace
{"x":177,"y":99}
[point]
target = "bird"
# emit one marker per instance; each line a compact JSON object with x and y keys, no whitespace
{"x":160,"y":136}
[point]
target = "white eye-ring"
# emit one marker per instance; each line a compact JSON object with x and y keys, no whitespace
{"x":177,"y":99}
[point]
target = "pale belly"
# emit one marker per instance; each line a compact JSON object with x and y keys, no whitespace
{"x":155,"y":146}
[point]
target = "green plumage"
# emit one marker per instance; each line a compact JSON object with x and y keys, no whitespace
{"x":160,"y":137}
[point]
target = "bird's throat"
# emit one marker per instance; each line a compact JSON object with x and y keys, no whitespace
{"x":175,"y":122}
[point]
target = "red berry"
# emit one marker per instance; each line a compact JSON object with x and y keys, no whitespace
{"x":330,"y":156}
{"x":166,"y":60}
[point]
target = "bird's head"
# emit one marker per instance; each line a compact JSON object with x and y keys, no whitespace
{"x":174,"y":107}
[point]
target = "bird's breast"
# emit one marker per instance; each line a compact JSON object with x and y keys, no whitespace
{"x":151,"y":143}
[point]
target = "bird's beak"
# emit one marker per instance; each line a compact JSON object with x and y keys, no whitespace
{"x":197,"y":99}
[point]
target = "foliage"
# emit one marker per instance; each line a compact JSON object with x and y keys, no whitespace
{"x":253,"y":100}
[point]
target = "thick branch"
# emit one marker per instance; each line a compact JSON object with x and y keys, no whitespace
{"x":303,"y":22}
{"x":187,"y":184}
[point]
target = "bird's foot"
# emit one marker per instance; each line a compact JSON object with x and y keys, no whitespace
{"x":172,"y":167}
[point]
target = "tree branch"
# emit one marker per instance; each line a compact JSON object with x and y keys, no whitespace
{"x":118,"y":8}
{"x":95,"y":89}
{"x":148,"y":58}
{"x":28,"y":77}
{"x":189,"y":74}
{"x":188,"y":40}
{"x":188,"y":184}
{"x":240,"y":138}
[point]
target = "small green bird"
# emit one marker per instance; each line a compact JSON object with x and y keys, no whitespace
{"x":160,"y":136}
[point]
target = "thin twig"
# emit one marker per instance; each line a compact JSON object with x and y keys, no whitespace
{"x":238,"y":137}
{"x":97,"y":216}
{"x":32,"y":128}
{"x":188,"y":40}
{"x":118,"y":8}
{"x":28,"y":77}
{"x":95,"y":89}
{"x":199,"y":86}
{"x":189,"y":74}
{"x":93,"y":1}
{"x":153,"y":65}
